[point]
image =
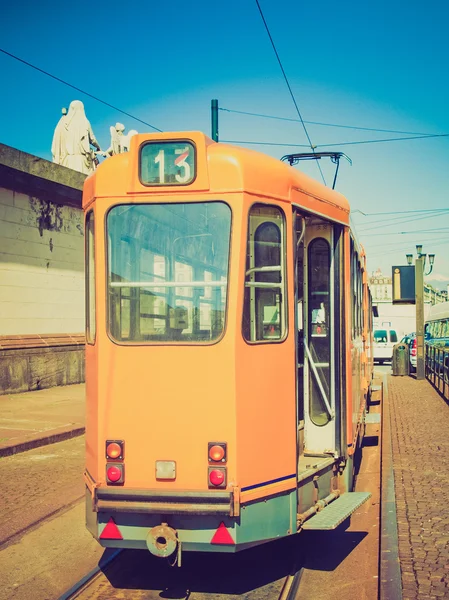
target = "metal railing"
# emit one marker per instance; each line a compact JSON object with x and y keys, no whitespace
{"x":437,"y":368}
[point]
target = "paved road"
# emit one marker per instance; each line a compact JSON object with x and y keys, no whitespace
{"x":37,"y":483}
{"x":44,"y":545}
{"x":420,"y":442}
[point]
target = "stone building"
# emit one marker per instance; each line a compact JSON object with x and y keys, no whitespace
{"x":381,"y":287}
{"x":41,"y":273}
{"x":401,"y":317}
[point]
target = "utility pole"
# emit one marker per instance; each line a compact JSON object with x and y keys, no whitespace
{"x":419,"y":299}
{"x":214,"y":119}
{"x":420,"y":264}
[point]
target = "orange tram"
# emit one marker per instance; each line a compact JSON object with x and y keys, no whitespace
{"x":228,"y":349}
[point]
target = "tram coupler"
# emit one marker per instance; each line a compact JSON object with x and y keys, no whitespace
{"x":162,"y":541}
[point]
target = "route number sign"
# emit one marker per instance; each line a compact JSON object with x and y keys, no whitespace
{"x":167,"y":163}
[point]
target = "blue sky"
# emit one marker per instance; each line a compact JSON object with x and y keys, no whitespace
{"x":382,"y":65}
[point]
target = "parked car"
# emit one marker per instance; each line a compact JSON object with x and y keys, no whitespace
{"x":410,"y":339}
{"x":384,"y":340}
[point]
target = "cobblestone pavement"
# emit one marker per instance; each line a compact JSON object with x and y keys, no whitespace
{"x":39,"y":483}
{"x":420,"y":445}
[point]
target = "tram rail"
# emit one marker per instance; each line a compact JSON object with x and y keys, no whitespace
{"x":289,"y":587}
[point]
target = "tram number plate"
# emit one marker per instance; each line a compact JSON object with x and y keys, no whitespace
{"x":167,"y":163}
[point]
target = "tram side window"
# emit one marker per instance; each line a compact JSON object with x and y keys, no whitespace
{"x":168,"y":271}
{"x":357,"y":293}
{"x":353,"y":295}
{"x":90,"y":279}
{"x":319,"y":338}
{"x":264,"y":311}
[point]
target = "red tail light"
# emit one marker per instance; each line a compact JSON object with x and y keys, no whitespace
{"x":217,"y":452}
{"x":115,"y":473}
{"x":217,"y":477}
{"x":414,"y":348}
{"x":115,"y":449}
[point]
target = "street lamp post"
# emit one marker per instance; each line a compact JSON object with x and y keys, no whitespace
{"x":420,"y":264}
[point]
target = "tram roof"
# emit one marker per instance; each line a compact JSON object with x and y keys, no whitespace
{"x":220,"y":168}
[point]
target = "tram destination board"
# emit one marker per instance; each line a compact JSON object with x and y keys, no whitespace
{"x":403,"y":278}
{"x":167,"y":163}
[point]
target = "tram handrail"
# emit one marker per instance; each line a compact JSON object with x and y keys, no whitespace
{"x":318,"y":380}
{"x":437,"y":367}
{"x":166,"y":284}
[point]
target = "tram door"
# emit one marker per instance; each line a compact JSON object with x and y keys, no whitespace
{"x":315,"y":335}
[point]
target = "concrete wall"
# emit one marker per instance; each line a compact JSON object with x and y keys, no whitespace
{"x":41,"y":266}
{"x":26,"y":369}
{"x":41,"y":273}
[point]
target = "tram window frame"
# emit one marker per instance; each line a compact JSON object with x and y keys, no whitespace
{"x":90,"y":279}
{"x":255,"y":328}
{"x":174,"y":319}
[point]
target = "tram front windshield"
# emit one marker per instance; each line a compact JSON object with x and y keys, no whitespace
{"x":168,"y":272}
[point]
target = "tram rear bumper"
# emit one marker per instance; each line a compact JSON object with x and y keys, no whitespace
{"x":119,"y":500}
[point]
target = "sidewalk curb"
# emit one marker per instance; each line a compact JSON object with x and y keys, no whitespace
{"x":389,"y":564}
{"x":39,"y":439}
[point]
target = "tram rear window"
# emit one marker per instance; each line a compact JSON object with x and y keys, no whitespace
{"x":168,"y":271}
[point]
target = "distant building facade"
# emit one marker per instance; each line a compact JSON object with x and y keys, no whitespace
{"x":381,"y":287}
{"x":401,"y":317}
{"x":382,"y":290}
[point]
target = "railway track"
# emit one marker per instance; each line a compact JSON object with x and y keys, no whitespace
{"x":127,"y":574}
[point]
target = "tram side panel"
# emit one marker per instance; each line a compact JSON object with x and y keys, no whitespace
{"x":356,"y":388}
{"x":265,"y":381}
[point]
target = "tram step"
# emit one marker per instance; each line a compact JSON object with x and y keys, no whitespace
{"x":376,"y":388}
{"x":337,"y":511}
{"x":372,"y":418}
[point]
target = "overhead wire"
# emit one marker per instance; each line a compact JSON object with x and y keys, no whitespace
{"x":398,"y":220}
{"x":400,"y":139}
{"x":80,"y":90}
{"x":266,"y":143}
{"x":416,"y":218}
{"x":404,"y":248}
{"x":312,"y":147}
{"x":400,"y":244}
{"x":421,"y":231}
{"x":400,"y":212}
{"x":251,"y":114}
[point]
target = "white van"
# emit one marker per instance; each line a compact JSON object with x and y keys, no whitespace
{"x":384,"y":340}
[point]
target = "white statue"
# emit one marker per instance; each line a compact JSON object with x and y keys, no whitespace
{"x":119,"y":141}
{"x":116,"y":136}
{"x":126,"y":142}
{"x":72,"y":140}
{"x":57,"y":148}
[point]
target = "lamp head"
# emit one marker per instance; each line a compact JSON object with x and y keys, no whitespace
{"x":409,"y":258}
{"x":418,"y":249}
